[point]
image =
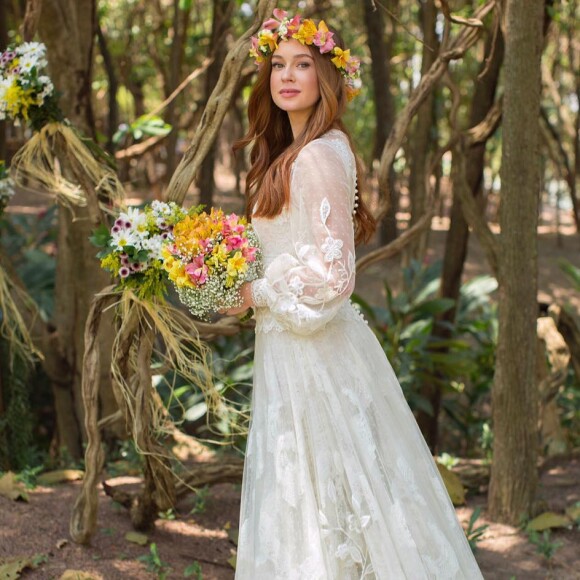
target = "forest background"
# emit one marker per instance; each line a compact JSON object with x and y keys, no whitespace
{"x":475,"y":202}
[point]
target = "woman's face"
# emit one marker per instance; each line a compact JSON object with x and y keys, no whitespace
{"x":294,"y":80}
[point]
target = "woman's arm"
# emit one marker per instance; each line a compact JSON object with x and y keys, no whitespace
{"x":305,"y":287}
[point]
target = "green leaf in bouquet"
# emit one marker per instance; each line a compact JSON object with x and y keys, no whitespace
{"x":101,"y":236}
{"x":141,"y":256}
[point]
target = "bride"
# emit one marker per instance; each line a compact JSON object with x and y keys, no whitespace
{"x":338,"y":482}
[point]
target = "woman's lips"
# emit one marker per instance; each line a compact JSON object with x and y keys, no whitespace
{"x":289,"y":92}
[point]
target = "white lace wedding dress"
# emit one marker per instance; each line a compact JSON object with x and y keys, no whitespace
{"x":338,"y":482}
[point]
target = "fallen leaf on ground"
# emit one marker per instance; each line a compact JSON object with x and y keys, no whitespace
{"x":53,"y":477}
{"x":79,"y":575}
{"x":548,"y":520}
{"x":11,"y":488}
{"x":137,"y":538}
{"x":60,"y":544}
{"x":453,"y":485}
{"x":10,"y":568}
{"x":232,"y":562}
{"x":573,"y":512}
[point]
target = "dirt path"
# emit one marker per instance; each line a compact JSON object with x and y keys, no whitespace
{"x":41,"y":525}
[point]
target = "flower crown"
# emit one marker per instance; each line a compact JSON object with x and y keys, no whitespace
{"x":281,"y":27}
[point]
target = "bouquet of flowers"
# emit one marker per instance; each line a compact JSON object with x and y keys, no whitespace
{"x":6,"y":187}
{"x":132,"y":249}
{"x":25,"y":93}
{"x":209,"y":259}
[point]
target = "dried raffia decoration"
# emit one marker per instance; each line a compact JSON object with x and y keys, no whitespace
{"x":145,"y":328}
{"x":56,"y":146}
{"x":84,"y":515}
{"x":12,"y":326}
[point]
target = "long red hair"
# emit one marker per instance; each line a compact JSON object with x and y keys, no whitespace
{"x":274,"y":149}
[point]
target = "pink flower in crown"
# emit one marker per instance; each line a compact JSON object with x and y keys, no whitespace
{"x":274,"y":23}
{"x":285,"y":28}
{"x":353,"y":65}
{"x":234,"y":243}
{"x":323,"y":38}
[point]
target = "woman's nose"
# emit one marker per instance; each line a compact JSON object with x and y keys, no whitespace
{"x":287,"y":74}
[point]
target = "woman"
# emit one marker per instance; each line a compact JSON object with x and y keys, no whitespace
{"x":338,"y":481}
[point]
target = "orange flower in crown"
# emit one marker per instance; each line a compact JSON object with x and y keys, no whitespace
{"x":281,"y":27}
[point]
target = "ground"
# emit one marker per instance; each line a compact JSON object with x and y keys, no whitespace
{"x":41,"y":527}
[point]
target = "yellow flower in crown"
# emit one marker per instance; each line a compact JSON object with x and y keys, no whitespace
{"x":283,"y":27}
{"x":306,"y":32}
{"x":341,"y":57}
{"x":267,"y":42}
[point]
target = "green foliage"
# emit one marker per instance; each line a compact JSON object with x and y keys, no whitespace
{"x":472,"y":533}
{"x":571,"y":271}
{"x":30,"y":241}
{"x":144,"y":126}
{"x":232,"y":368}
{"x":409,"y":327}
{"x":17,"y":422}
{"x":29,"y":476}
{"x":168,"y":515}
{"x":154,"y":563}
{"x":200,"y":499}
{"x":193,"y":570}
{"x":544,"y":543}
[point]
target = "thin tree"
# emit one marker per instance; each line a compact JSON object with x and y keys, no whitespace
{"x":514,"y":395}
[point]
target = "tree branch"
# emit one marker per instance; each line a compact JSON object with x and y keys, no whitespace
{"x":215,"y":110}
{"x":449,"y":51}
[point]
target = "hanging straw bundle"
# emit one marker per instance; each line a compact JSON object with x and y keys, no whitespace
{"x":58,"y":161}
{"x":146,"y":328}
{"x":12,"y":325}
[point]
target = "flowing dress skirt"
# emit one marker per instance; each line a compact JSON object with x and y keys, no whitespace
{"x":339,"y":483}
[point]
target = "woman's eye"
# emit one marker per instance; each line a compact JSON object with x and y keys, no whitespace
{"x":303,"y":65}
{"x":277,"y":65}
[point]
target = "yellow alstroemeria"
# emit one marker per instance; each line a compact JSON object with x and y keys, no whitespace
{"x":219,"y":255}
{"x":306,"y":32}
{"x":341,"y":57}
{"x":267,"y":39}
{"x":237,"y":265}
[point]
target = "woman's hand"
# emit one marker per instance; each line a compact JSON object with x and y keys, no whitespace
{"x":246,"y":293}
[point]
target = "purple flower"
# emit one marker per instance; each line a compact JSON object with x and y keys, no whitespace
{"x":124,"y":272}
{"x":164,"y":235}
{"x":7,"y":56}
{"x":115,"y":229}
{"x":119,"y":223}
{"x":127,"y":224}
{"x":124,"y":260}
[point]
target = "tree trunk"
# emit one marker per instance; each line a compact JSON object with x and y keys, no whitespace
{"x":177,"y":45}
{"x":422,"y":136}
{"x":514,"y":394}
{"x":222,"y":14}
{"x":384,"y":103}
{"x":113,"y":117}
{"x":68,"y":30}
{"x":3,"y":45}
{"x":458,"y":234}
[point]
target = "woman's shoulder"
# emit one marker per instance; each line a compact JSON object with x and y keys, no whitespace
{"x":333,"y":143}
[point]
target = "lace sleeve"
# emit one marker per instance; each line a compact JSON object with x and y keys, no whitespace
{"x":305,"y":287}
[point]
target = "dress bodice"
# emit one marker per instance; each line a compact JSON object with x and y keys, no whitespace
{"x":308,"y":249}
